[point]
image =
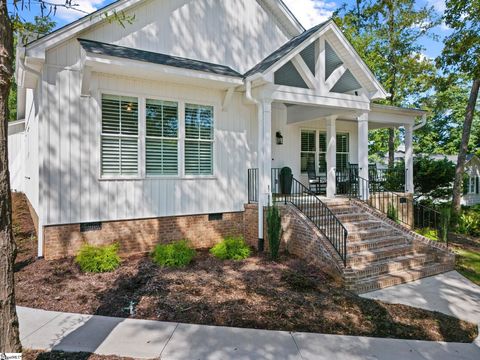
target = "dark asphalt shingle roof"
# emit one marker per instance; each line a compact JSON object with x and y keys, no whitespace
{"x":284,"y":50}
{"x":101,"y":48}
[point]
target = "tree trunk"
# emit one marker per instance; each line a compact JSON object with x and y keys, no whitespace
{"x":462,"y":154}
{"x":9,"y":335}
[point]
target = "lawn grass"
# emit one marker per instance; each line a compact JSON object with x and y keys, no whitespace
{"x":468,"y":264}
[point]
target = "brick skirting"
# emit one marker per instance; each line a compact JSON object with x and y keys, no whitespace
{"x":137,"y":236}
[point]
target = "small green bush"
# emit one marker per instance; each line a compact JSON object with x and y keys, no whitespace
{"x":98,"y":259}
{"x":176,"y":254}
{"x":429,"y":233}
{"x":392,"y":212}
{"x":469,"y":223}
{"x":231,"y":248}
{"x":274,"y":227}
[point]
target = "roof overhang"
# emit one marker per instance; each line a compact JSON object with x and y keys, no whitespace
{"x":144,"y":70}
{"x":386,"y":116}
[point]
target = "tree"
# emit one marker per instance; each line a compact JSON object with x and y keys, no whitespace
{"x":443,"y":132}
{"x":433,"y":178}
{"x":386,"y":34}
{"x":9,"y":334}
{"x":26,"y":31}
{"x":461,"y":54}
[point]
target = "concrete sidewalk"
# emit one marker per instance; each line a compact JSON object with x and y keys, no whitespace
{"x":142,"y":339}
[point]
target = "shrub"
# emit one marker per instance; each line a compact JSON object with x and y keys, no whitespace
{"x":231,"y":248}
{"x":98,"y":259}
{"x":429,"y":233}
{"x":469,"y":223}
{"x":176,"y":254}
{"x":392,"y":212}
{"x":445,"y":217}
{"x":274,"y":229}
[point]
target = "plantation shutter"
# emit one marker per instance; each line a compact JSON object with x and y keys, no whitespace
{"x":477,"y":185}
{"x":342,"y":151}
{"x":322,"y":155}
{"x":161,"y":143}
{"x":119,"y":139}
{"x":307,"y":149}
{"x":199,"y":137}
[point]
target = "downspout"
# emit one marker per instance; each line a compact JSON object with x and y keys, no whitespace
{"x":249,"y":96}
{"x":38,"y":75}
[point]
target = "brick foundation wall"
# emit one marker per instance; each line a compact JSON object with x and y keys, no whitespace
{"x":299,"y":237}
{"x":137,"y":236}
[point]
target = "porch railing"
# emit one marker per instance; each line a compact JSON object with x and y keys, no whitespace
{"x":309,"y":204}
{"x":399,"y":208}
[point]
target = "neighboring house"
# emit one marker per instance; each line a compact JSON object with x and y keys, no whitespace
{"x":471,"y":191}
{"x":145,"y":133}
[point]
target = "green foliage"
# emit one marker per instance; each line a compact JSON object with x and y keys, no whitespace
{"x":274,"y":225}
{"x":176,"y":254}
{"x":468,"y":264}
{"x":469,"y":223}
{"x":231,"y":248}
{"x":392,"y":212}
{"x":445,"y":217}
{"x":98,"y":259}
{"x":433,"y":178}
{"x":429,"y":233}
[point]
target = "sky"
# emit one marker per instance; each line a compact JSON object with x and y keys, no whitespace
{"x":308,"y":12}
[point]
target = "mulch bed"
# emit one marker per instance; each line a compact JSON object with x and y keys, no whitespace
{"x":254,"y":293}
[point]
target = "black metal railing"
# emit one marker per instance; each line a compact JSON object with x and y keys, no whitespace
{"x":252,"y":186}
{"x":317,"y":212}
{"x":391,"y":179}
{"x":400,"y":208}
{"x":309,"y":204}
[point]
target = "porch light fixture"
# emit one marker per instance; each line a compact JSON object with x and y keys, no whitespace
{"x":279,"y":137}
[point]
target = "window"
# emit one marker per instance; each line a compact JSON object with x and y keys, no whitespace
{"x":308,"y":149}
{"x":343,"y":149}
{"x":119,"y":139}
{"x":473,"y":185}
{"x":199,"y":137}
{"x":322,"y":152}
{"x":161,"y":142}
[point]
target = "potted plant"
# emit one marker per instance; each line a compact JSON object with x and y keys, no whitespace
{"x":286,"y":180}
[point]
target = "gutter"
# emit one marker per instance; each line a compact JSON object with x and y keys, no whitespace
{"x":422,"y":123}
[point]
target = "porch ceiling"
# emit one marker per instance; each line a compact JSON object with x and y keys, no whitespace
{"x":304,"y":113}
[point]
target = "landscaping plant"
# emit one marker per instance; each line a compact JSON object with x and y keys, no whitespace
{"x":176,"y":254}
{"x":98,"y":259}
{"x":274,"y":228}
{"x":444,"y":223}
{"x":469,"y":223}
{"x":392,"y":212}
{"x":231,"y":248}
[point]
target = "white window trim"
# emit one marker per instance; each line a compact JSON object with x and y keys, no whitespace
{"x":317,"y":146}
{"x":142,"y":96}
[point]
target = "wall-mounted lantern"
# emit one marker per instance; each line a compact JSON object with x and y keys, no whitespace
{"x":279,"y":137}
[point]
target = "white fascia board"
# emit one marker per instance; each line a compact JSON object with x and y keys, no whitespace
{"x":277,"y":65}
{"x":389,"y":109}
{"x":281,"y":10}
{"x":342,"y":101}
{"x":358,"y":60}
{"x":140,"y":69}
{"x":38,"y":48}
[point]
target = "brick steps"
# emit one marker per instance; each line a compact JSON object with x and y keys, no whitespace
{"x":378,"y":253}
{"x":354,"y":247}
{"x":400,"y":277}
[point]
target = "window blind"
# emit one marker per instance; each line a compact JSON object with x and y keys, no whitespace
{"x":161,"y":143}
{"x":199,"y":136}
{"x":308,"y":149}
{"x":119,"y":139}
{"x":342,"y":151}
{"x":322,"y":152}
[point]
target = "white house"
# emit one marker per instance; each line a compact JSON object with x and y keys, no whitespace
{"x":471,"y":195}
{"x":148,"y":130}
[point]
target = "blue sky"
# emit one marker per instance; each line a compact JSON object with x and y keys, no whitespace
{"x":309,"y":12}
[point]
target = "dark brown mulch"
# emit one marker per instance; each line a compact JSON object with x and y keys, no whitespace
{"x":254,"y":293}
{"x":464,"y":241}
{"x":60,"y":355}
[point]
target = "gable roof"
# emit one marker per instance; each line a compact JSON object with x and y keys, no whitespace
{"x":101,"y":48}
{"x":277,"y":8}
{"x":284,"y":50}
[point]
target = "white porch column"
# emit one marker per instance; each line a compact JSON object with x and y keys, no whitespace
{"x":264,"y":162}
{"x":363,"y":154}
{"x":409,"y":188}
{"x":331,"y":156}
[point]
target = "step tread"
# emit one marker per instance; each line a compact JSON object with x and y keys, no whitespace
{"x":395,"y":261}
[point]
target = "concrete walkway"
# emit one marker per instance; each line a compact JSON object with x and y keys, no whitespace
{"x":450,"y":293}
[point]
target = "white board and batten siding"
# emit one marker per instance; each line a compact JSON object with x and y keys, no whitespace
{"x":77,"y":193}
